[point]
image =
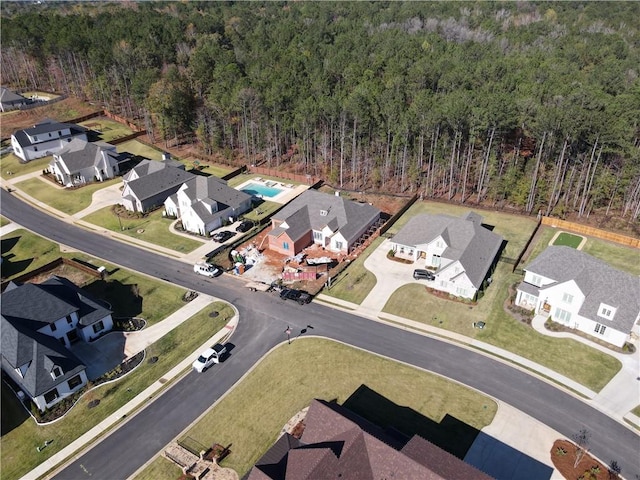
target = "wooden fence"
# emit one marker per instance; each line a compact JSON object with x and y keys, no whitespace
{"x":51,"y":266}
{"x":591,"y":231}
{"x":271,"y":172}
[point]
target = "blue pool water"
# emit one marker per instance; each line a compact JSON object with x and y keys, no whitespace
{"x":260,"y":189}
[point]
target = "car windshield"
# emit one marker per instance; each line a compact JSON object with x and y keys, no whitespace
{"x":201,"y":359}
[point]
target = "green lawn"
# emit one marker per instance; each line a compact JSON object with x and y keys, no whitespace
{"x":152,"y":228}
{"x":515,"y":229}
{"x":618,"y":256}
{"x":636,"y":411}
{"x":137,"y":148}
{"x":23,"y":251}
{"x":251,"y":416}
{"x":573,"y":359}
{"x":66,"y":201}
{"x":19,"y":453}
{"x":4,"y":221}
{"x":11,"y":167}
{"x":263,"y":210}
{"x":108,"y":129}
{"x":160,"y":469}
{"x":568,"y":240}
{"x":355,"y":282}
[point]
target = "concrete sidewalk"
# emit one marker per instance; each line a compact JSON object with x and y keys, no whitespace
{"x":75,"y":448}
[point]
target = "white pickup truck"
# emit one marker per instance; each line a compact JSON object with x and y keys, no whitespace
{"x":206,"y":269}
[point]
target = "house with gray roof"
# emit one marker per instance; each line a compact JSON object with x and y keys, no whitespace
{"x":461,"y":252}
{"x":151,"y":182}
{"x":10,"y":100}
{"x":337,"y":443}
{"x":334,"y":222}
{"x":582,"y":292}
{"x":45,"y":138}
{"x":204,"y":203}
{"x":80,"y":162}
{"x":40,"y":322}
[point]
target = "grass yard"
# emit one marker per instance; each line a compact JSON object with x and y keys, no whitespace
{"x":573,"y":359}
{"x":139,"y":148}
{"x":107,"y":129}
{"x":160,"y":469}
{"x":153,"y":228}
{"x":636,"y":411}
{"x":4,"y":221}
{"x":355,"y":282}
{"x":568,"y":240}
{"x":515,"y":229}
{"x":618,"y":256}
{"x":266,"y":208}
{"x":10,"y":166}
{"x":19,"y":453}
{"x":23,"y":251}
{"x":243,"y":177}
{"x":253,"y":413}
{"x":66,"y":201}
{"x":216,"y":170}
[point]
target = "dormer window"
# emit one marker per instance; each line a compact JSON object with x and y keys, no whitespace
{"x":323,"y":213}
{"x":606,"y":311}
{"x":56,"y":372}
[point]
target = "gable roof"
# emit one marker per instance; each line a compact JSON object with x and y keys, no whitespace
{"x":156,"y":177}
{"x":468,"y":242}
{"x":598,"y":281}
{"x":79,"y":154}
{"x":336,"y":443}
{"x":40,"y":353}
{"x":313,"y":210}
{"x":46,"y":126}
{"x":37,"y":305}
{"x":213,"y":189}
{"x":7,"y":96}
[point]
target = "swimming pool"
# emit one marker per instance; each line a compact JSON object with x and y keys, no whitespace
{"x":256,"y":189}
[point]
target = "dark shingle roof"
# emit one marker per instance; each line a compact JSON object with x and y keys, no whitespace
{"x":7,"y":96}
{"x":467,"y":240}
{"x":598,"y":281}
{"x":336,"y":444}
{"x":79,"y":154}
{"x":156,"y":178}
{"x":46,"y":126}
{"x":203,"y":191}
{"x":314,"y":210}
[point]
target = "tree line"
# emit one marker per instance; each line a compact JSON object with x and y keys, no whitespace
{"x":531,"y":105}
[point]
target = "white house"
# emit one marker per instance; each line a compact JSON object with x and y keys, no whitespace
{"x":80,"y":162}
{"x":10,"y":100}
{"x":461,"y":252}
{"x":39,"y":324}
{"x":203,"y":203}
{"x":583,"y":293}
{"x":45,"y":138}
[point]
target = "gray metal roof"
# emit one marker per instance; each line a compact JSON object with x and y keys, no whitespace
{"x":473,"y":245}
{"x":598,"y":281}
{"x":313,"y":210}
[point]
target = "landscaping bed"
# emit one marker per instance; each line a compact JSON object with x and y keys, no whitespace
{"x":563,"y":456}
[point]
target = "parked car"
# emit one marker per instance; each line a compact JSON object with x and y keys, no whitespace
{"x":298,"y":295}
{"x":223,"y":236}
{"x":244,"y":226}
{"x":206,"y":269}
{"x":420,"y":274}
{"x":209,"y":357}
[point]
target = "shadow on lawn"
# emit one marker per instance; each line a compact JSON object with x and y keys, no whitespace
{"x":125,"y":299}
{"x":451,"y":434}
{"x":11,"y":268}
{"x":13,"y":414}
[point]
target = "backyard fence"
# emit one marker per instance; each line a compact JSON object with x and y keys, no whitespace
{"x":50,"y":266}
{"x":271,"y":172}
{"x":591,"y":231}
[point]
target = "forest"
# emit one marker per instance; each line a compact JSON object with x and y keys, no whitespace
{"x":527,"y":105}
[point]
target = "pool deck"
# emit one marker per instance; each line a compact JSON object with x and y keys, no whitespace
{"x":288,"y":193}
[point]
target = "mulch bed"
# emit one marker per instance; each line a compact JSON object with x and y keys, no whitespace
{"x":563,"y":456}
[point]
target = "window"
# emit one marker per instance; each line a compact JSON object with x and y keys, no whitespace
{"x":97,"y":327}
{"x":339,"y":245}
{"x":51,"y":395}
{"x":567,"y":298}
{"x":461,"y":292}
{"x":69,"y":319}
{"x":74,"y":382}
{"x":600,"y":329}
{"x":536,"y":280}
{"x":323,"y":213}
{"x":562,"y":315}
{"x":317,"y":235}
{"x":435,"y":260}
{"x":56,"y":372}
{"x":439,"y":244}
{"x":285,"y":245}
{"x":35,"y":139}
{"x":606,"y":311}
{"x":53,"y":326}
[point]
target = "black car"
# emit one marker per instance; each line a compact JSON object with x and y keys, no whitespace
{"x":298,"y":295}
{"x":222,"y":236}
{"x":244,"y":226}
{"x":420,"y":274}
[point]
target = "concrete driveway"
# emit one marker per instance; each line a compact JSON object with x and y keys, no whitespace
{"x":104,"y":197}
{"x":102,"y":355}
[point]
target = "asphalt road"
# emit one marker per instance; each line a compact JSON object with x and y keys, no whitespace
{"x":264,"y":318}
